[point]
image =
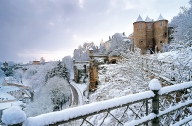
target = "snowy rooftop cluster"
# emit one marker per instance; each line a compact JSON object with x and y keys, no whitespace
{"x":148,"y":19}
{"x":8,"y":88}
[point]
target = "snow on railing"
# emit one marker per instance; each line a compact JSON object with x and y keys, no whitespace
{"x":169,"y":105}
{"x":87,"y":110}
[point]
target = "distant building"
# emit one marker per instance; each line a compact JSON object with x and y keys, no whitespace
{"x":36,"y":63}
{"x":150,"y":36}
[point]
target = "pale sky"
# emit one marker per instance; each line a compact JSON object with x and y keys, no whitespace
{"x":30,"y":29}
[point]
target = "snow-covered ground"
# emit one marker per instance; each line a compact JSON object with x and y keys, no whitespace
{"x":114,"y":81}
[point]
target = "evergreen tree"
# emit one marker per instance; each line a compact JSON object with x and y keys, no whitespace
{"x":59,"y":71}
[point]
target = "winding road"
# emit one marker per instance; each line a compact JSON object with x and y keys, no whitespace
{"x":75,"y":100}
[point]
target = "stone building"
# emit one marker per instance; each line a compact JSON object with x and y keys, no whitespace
{"x":150,"y":36}
{"x":96,"y":60}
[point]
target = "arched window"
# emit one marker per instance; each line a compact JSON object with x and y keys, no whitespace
{"x":140,"y":25}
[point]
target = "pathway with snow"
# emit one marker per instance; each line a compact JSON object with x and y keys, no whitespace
{"x":75,"y":96}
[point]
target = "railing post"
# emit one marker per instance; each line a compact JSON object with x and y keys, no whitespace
{"x":155,"y":86}
{"x":155,"y":106}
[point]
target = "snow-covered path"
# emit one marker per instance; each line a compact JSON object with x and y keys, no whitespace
{"x":75,"y":96}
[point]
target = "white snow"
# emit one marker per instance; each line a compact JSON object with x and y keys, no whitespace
{"x":160,"y":18}
{"x":139,"y":19}
{"x":154,"y":85}
{"x":67,"y":114}
{"x":173,"y":54}
{"x":144,"y":119}
{"x":168,"y":89}
{"x":172,"y":108}
{"x":91,"y":49}
{"x":13,"y":115}
{"x":183,"y":121}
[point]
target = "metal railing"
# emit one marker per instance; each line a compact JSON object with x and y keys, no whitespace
{"x":170,"y":105}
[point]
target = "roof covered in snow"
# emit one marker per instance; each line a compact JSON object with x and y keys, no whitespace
{"x":6,"y":89}
{"x":91,"y":49}
{"x":9,"y":104}
{"x":139,"y":19}
{"x":148,"y":19}
{"x":5,"y":97}
{"x":160,"y":18}
{"x":122,"y":35}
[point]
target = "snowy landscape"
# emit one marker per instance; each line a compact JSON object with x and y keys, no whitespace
{"x":110,"y":84}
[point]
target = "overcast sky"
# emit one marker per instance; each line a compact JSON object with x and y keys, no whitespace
{"x":30,"y":29}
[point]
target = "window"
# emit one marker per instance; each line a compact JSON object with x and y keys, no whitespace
{"x":140,"y":25}
{"x":160,"y":23}
{"x":149,"y":26}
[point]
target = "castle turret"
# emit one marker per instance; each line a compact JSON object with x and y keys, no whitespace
{"x":140,"y":34}
{"x":160,"y":32}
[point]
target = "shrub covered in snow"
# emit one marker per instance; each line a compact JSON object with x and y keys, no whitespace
{"x":13,"y":115}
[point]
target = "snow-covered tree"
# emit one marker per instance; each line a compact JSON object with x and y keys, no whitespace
{"x":182,"y":25}
{"x":102,"y":48}
{"x":53,"y":96}
{"x":67,"y":60}
{"x":35,"y":74}
{"x":59,"y":71}
{"x":82,"y":53}
{"x":42,"y":60}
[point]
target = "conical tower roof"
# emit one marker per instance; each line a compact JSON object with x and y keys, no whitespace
{"x":148,"y":19}
{"x":139,"y":19}
{"x":160,"y":18}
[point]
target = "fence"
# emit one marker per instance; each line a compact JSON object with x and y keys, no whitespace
{"x":169,"y":105}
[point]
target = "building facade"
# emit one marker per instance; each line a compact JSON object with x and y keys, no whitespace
{"x":150,"y":36}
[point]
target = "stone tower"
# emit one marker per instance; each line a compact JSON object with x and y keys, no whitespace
{"x":160,"y":32}
{"x":149,"y":35}
{"x":140,"y":34}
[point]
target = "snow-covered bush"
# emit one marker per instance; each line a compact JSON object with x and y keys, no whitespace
{"x":13,"y":115}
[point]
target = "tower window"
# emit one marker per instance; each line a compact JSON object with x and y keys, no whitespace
{"x":160,"y":23}
{"x":140,"y":25}
{"x":149,"y":26}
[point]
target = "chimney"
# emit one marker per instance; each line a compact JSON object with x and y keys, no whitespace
{"x":123,"y":33}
